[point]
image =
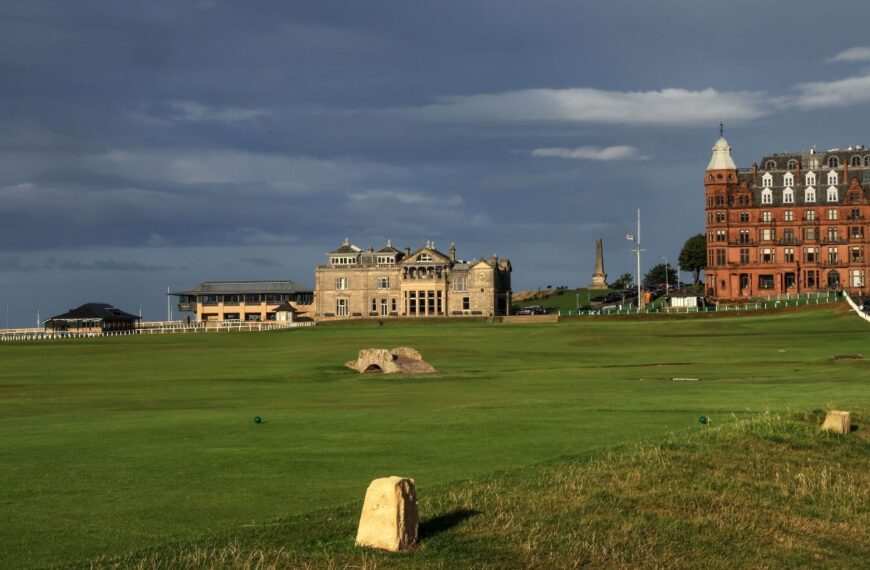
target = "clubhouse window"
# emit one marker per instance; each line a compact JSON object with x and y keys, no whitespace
{"x":466,"y":304}
{"x":341,"y":283}
{"x":383,"y":282}
{"x":460,"y":284}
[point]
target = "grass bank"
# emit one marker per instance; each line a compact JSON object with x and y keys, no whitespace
{"x":764,"y":491}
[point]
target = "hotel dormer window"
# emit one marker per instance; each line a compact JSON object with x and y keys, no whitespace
{"x":855,"y":161}
{"x":788,"y":179}
{"x":832,"y":195}
{"x":769,"y":165}
{"x":788,"y":196}
{"x":811,"y":179}
{"x":833,"y":178}
{"x":809,"y":195}
{"x":833,"y":162}
{"x":767,"y":196}
{"x":767,"y":180}
{"x":792,"y":164}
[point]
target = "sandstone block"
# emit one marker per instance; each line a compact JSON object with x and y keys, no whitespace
{"x":389,"y":519}
{"x":837,"y":422}
{"x":407,"y":352}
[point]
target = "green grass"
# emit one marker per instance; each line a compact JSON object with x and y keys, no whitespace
{"x":564,"y":300}
{"x":760,"y":492}
{"x":115,"y":445}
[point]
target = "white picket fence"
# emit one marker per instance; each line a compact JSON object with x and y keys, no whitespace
{"x":169,"y":327}
{"x":856,"y":308}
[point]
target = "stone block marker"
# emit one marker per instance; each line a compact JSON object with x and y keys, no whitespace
{"x":837,"y":422}
{"x":389,"y":518}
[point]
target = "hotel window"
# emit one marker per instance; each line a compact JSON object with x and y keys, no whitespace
{"x":855,"y":214}
{"x":743,"y":236}
{"x":857,"y":254}
{"x":744,"y":255}
{"x":833,"y":178}
{"x":768,"y":255}
{"x":811,"y":278}
{"x":710,"y":218}
{"x":789,"y":280}
{"x":788,"y":255}
{"x":857,"y":232}
{"x":766,"y":216}
{"x":833,"y":255}
{"x":710,"y":236}
{"x":856,"y":276}
{"x":788,"y":216}
{"x":788,"y":235}
{"x":832,"y":214}
{"x":744,"y":216}
{"x":788,"y":180}
{"x":810,"y":179}
{"x":809,"y":196}
{"x":833,"y":162}
{"x":811,"y":234}
{"x":832,"y":194}
{"x":811,"y":215}
{"x":720,"y":200}
{"x":460,"y":284}
{"x":341,"y":283}
{"x":765,"y":281}
{"x":383,"y":282}
{"x":811,"y":254}
{"x":788,"y":196}
{"x":720,"y":217}
{"x":768,"y":234}
{"x":767,"y":180}
{"x":833,"y":235}
{"x":720,"y":257}
{"x":720,"y":235}
{"x":767,"y":196}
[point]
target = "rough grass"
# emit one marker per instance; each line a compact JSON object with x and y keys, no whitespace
{"x":766,"y":491}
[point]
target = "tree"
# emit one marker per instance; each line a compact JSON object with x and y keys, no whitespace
{"x":656,"y":275}
{"x":624,"y":281}
{"x":693,"y":256}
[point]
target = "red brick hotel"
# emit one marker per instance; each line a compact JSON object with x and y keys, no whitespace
{"x":796,"y":224}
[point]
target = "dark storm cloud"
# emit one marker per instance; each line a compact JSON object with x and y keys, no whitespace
{"x":526,"y":128}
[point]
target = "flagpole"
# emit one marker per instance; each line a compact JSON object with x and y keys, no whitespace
{"x":640,"y":301}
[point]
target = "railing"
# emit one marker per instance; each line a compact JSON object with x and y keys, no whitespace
{"x":856,"y":308}
{"x":164,"y":327}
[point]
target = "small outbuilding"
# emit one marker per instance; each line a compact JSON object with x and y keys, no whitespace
{"x":285,"y":312}
{"x":93,"y":318}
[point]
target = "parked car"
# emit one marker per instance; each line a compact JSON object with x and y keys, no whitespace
{"x":532,"y":310}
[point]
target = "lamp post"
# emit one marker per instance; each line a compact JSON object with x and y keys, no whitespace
{"x":667,"y":282}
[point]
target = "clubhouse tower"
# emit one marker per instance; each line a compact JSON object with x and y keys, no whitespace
{"x":796,"y":224}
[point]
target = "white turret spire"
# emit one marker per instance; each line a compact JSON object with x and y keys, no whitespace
{"x":721,"y":159}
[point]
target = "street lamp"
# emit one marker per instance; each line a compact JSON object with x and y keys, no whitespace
{"x":667,"y":283}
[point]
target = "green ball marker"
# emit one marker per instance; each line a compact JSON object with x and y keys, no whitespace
{"x":258,"y":420}
{"x":703,"y":420}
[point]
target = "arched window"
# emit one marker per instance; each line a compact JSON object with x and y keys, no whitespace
{"x":855,"y":161}
{"x":867,"y":160}
{"x":770,"y":165}
{"x":788,"y":180}
{"x":792,"y":164}
{"x":833,"y":178}
{"x":809,"y":195}
{"x":767,"y":196}
{"x":833,"y":162}
{"x":832,"y":194}
{"x":788,"y":196}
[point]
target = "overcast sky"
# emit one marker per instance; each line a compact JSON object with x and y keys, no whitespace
{"x":160,"y":144}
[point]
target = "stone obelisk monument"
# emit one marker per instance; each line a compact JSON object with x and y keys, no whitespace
{"x":599,"y":278}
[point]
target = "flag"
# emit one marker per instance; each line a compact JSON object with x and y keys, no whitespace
{"x":629,"y":237}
